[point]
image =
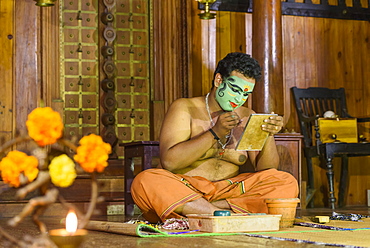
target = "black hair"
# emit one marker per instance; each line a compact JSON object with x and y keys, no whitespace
{"x":240,"y":62}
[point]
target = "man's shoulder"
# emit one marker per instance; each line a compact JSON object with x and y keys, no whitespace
{"x":187,"y":102}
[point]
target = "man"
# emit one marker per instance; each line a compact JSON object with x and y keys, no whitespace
{"x":200,"y":166}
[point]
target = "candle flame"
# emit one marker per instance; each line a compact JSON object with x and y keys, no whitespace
{"x":71,"y":222}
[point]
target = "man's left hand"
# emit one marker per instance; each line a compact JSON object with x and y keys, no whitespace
{"x":273,"y":124}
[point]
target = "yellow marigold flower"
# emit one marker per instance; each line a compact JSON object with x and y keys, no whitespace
{"x":62,"y":171}
{"x":92,"y":154}
{"x":14,"y":164}
{"x":44,"y":125}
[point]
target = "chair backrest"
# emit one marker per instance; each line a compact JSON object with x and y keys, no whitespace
{"x":315,"y":101}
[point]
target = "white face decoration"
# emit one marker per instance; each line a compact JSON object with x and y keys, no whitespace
{"x":233,"y":92}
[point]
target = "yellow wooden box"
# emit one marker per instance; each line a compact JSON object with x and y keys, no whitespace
{"x":337,"y":130}
{"x":234,"y":223}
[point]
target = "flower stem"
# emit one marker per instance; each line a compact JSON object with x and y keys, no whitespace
{"x":93,"y":200}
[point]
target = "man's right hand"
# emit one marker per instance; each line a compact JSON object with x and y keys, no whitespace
{"x":225,"y":122}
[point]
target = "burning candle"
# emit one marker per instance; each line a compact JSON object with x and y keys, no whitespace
{"x":71,"y":222}
{"x":70,"y":236}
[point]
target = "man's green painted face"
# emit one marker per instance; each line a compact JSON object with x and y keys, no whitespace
{"x":233,"y":92}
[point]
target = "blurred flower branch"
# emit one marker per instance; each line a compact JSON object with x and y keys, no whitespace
{"x":51,"y":162}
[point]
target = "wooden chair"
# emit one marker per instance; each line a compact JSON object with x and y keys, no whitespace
{"x":312,"y":103}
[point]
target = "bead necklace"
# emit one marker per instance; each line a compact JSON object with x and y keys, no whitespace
{"x":228,"y":137}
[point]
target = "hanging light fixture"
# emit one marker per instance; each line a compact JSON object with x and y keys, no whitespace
{"x":44,"y":3}
{"x":206,"y":15}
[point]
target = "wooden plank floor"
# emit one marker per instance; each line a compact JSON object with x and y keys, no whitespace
{"x":101,"y":239}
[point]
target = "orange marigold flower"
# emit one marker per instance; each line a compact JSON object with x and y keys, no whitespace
{"x":45,"y":126}
{"x":92,"y":154}
{"x":14,"y":164}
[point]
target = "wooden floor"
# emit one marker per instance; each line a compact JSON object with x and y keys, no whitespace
{"x":102,"y":239}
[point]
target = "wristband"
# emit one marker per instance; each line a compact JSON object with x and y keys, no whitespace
{"x":214,"y":134}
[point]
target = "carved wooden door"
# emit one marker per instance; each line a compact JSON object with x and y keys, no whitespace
{"x":105,"y":65}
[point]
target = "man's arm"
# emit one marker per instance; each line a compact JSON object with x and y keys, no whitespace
{"x":268,"y":158}
{"x":177,"y":149}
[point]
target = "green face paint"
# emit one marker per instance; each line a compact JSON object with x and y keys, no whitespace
{"x":233,"y":92}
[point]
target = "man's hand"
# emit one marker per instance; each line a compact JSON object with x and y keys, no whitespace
{"x":225,"y":123}
{"x":273,"y":124}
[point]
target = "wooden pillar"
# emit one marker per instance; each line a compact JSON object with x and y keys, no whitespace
{"x":267,"y":49}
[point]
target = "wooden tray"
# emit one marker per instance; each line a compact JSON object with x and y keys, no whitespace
{"x":234,"y":223}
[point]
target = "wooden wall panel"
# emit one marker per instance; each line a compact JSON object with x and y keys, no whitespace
{"x":169,"y":33}
{"x":26,"y":61}
{"x":331,"y":55}
{"x":310,"y":49}
{"x":173,"y":24}
{"x":6,"y":69}
{"x":238,"y":32}
{"x":248,"y":46}
{"x":202,"y":50}
{"x":230,"y":33}
{"x":208,"y":57}
{"x":50,"y":75}
{"x":289,"y":65}
{"x":321,"y":50}
{"x":248,"y":33}
{"x":223,"y":37}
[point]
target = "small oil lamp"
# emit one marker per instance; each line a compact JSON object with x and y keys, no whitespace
{"x":70,"y":237}
{"x":206,"y":15}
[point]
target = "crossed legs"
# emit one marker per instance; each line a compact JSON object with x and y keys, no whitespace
{"x":201,"y":206}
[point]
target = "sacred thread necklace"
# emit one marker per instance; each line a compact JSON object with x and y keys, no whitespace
{"x":228,"y":137}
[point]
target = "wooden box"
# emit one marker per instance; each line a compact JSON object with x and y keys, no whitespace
{"x":338,"y":130}
{"x":234,"y":223}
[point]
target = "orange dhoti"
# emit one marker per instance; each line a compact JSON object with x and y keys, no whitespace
{"x":158,"y":192}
